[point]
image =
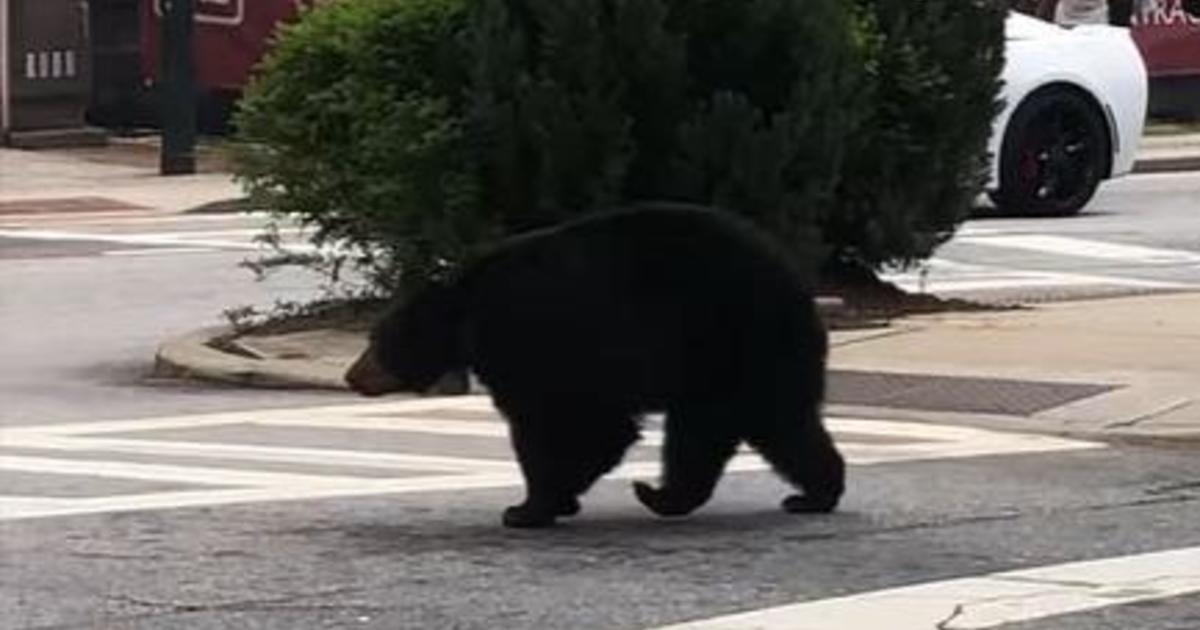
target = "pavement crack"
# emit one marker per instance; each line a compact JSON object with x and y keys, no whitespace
{"x":1149,"y":587}
{"x":1170,"y":488}
{"x":871,"y":337}
{"x":1161,"y":411}
{"x":1019,"y":579}
{"x":284,"y":602}
{"x":103,"y":555}
{"x":1163,"y":498}
{"x":944,"y":624}
{"x":1133,"y":588}
{"x":953,"y":521}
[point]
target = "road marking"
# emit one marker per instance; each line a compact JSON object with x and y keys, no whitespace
{"x":1082,"y":248}
{"x":170,"y":239}
{"x":200,"y":475}
{"x":111,"y":219}
{"x":863,"y":442}
{"x":985,"y":601}
{"x":159,"y":251}
{"x":250,"y":233}
{"x":329,"y":413}
{"x":940,"y":275}
{"x":268,"y":454}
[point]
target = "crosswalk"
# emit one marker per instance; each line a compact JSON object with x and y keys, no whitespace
{"x":134,"y":231}
{"x":1023,"y":260}
{"x":408,"y":446}
{"x":943,"y":276}
{"x":1083,"y":248}
{"x":979,"y":260}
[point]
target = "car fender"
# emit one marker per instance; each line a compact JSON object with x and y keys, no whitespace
{"x":1102,"y":62}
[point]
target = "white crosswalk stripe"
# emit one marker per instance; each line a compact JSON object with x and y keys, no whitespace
{"x":102,"y":450}
{"x":152,"y":239}
{"x":143,"y":233}
{"x":108,"y":219}
{"x":942,"y":276}
{"x":1125,"y":265}
{"x":986,"y":601}
{"x":1083,"y":248}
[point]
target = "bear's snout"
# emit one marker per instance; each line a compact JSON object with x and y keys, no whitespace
{"x":369,"y":378}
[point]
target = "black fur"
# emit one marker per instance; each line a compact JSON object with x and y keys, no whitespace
{"x":580,"y":329}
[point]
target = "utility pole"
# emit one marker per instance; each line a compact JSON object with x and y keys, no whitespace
{"x":178,"y":97}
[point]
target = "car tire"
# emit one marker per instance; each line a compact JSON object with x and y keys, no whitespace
{"x":1055,"y":153}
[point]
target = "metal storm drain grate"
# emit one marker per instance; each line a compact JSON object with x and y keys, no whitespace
{"x":955,"y":393}
{"x":66,"y":205}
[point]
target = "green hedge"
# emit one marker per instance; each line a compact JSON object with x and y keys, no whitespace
{"x":416,"y":131}
{"x":772,"y":100}
{"x":917,"y":164}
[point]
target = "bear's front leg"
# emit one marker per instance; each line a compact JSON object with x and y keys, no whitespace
{"x":562,"y":449}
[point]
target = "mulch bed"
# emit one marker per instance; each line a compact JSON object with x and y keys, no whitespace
{"x":866,"y":303}
{"x":867,"y":306}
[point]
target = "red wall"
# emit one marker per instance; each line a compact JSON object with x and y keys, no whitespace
{"x":1169,"y":38}
{"x":231,"y":37}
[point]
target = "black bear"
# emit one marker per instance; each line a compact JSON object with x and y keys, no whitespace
{"x":579,"y":329}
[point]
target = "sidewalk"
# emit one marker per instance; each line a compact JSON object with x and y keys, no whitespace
{"x":126,"y":172}
{"x":1127,"y":368}
{"x":1168,"y":152}
{"x":1124,"y":368}
{"x":123,"y":173}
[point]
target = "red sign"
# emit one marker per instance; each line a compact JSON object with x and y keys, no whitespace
{"x":1169,"y":38}
{"x":231,"y":37}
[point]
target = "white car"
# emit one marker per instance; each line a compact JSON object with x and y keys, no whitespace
{"x":1074,"y":107}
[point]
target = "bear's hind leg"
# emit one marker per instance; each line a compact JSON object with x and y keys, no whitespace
{"x":801,"y":450}
{"x":697,"y":447}
{"x":561,"y":455}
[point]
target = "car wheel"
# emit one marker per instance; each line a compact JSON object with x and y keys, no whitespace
{"x":1055,"y":154}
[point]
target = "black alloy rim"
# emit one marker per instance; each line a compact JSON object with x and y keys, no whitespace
{"x":1057,"y":160}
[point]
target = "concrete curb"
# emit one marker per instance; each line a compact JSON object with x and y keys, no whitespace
{"x":190,"y":356}
{"x":1180,"y":164}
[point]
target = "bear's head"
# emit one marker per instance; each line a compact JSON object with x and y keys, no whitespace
{"x":414,"y":345}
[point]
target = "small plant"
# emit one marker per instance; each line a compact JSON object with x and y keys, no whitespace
{"x":353,"y":128}
{"x":918,"y":161}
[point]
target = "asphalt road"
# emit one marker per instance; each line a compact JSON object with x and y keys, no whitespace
{"x":126,"y":503}
{"x":437,"y":558}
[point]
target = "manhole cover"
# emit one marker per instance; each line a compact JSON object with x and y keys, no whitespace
{"x":67,"y":205}
{"x":954,"y":393}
